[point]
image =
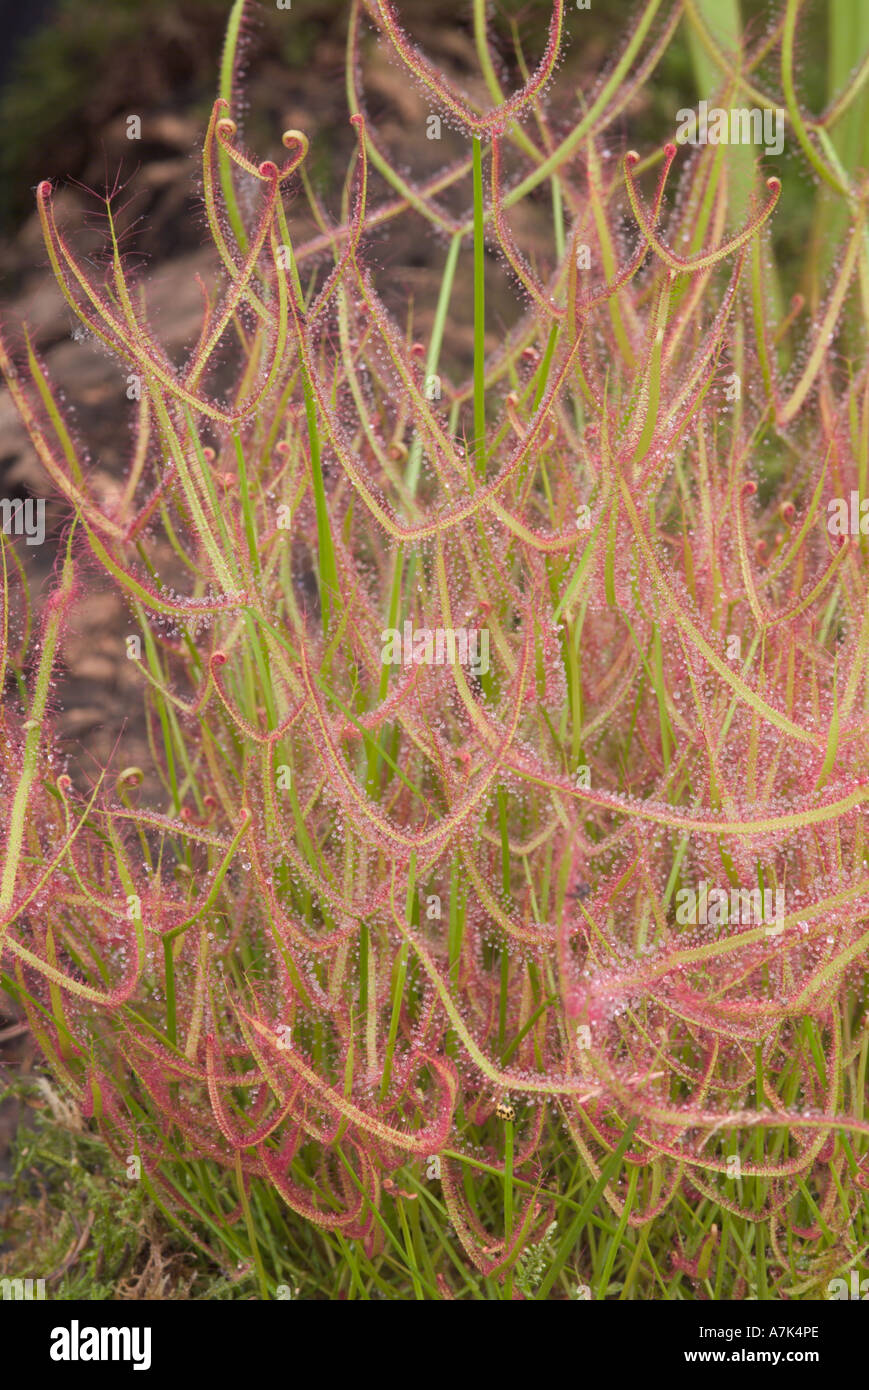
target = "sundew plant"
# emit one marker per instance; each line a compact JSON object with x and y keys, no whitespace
{"x":499,"y":926}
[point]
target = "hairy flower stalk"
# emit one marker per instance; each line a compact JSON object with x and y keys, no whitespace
{"x":378,"y":902}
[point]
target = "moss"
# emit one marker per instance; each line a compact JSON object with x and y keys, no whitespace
{"x":70,"y":1215}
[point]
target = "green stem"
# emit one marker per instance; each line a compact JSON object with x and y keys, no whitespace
{"x":227,"y":66}
{"x":508,"y":1198}
{"x":479,"y":314}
